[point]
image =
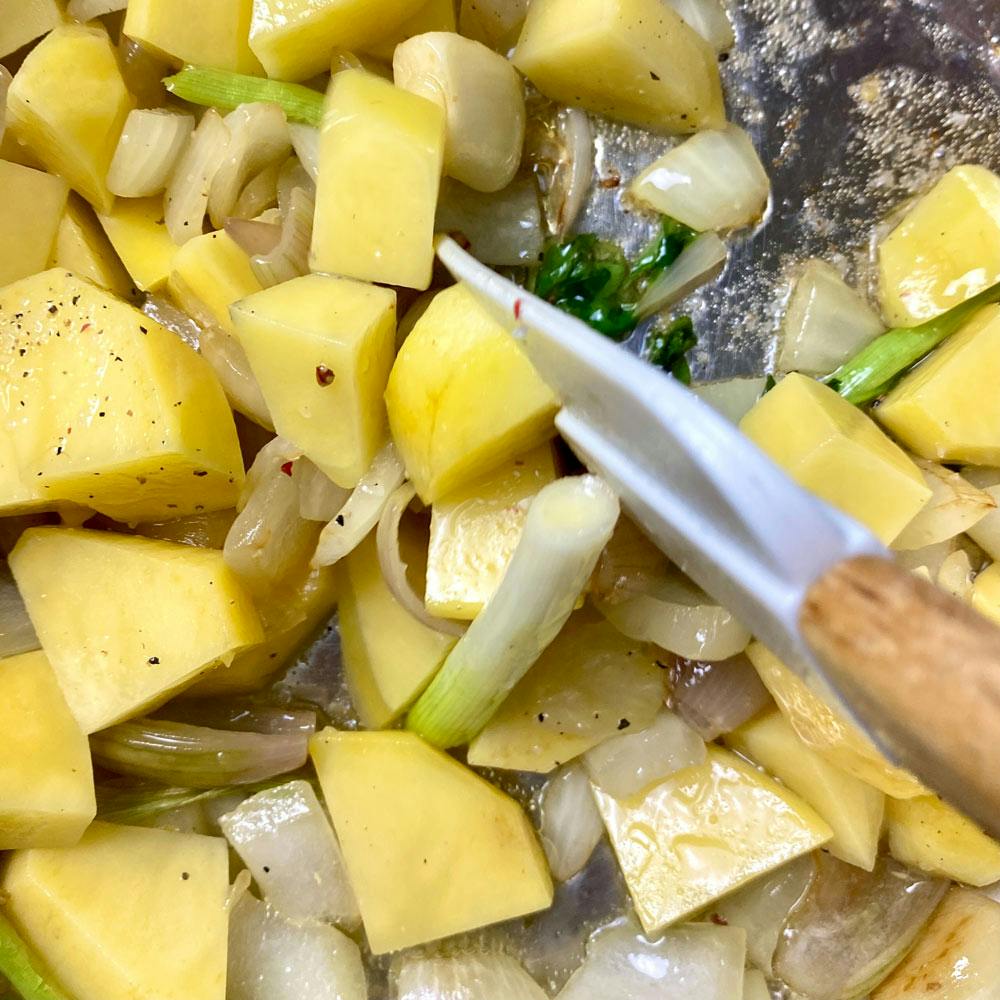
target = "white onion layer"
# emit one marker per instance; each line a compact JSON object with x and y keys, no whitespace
{"x":150,"y":145}
{"x":716,"y":698}
{"x":570,"y":824}
{"x":187,"y":192}
{"x":702,"y":260}
{"x":734,"y":398}
{"x":709,"y":19}
{"x":466,"y":976}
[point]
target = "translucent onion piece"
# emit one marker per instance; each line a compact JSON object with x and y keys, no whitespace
{"x":714,"y":180}
{"x":271,"y":958}
{"x":267,"y":462}
{"x":187,"y":192}
{"x":260,"y":193}
{"x":929,"y":559}
{"x":17,"y":634}
{"x":691,"y":961}
{"x":320,"y":498}
{"x":147,"y":152}
{"x":290,"y":257}
{"x":87,"y":10}
{"x":716,"y":698}
{"x":956,"y":575}
{"x":853,"y":927}
{"x":195,"y":757}
{"x":502,"y":229}
{"x":143,"y":72}
{"x":570,"y":824}
{"x":178,"y":322}
{"x":139,"y":806}
{"x":291,"y":176}
{"x":253,"y":236}
{"x":734,"y":397}
{"x":5,"y":79}
{"x":628,"y":764}
{"x":826,"y":322}
{"x":466,"y":976}
{"x":755,"y":985}
{"x":232,"y":368}
{"x":560,"y":147}
{"x":495,"y":23}
{"x":629,"y":564}
{"x":305,"y":142}
{"x":986,"y":532}
{"x":363,"y":508}
{"x":240,"y":715}
{"x":702,"y":260}
{"x":285,"y":839}
{"x":709,"y":19}
{"x":955,"y":506}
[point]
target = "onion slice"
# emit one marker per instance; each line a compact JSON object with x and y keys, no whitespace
{"x":259,"y":195}
{"x":289,"y":258}
{"x":734,"y":398}
{"x":570,"y":825}
{"x":986,"y":532}
{"x":320,"y":498}
{"x":147,"y":152}
{"x":253,"y":236}
{"x":232,"y":368}
{"x":242,"y":716}
{"x":466,"y":976}
{"x":701,"y":260}
{"x":87,"y":10}
{"x":560,"y":148}
{"x":716,"y":698}
{"x":187,"y":193}
{"x":709,"y":19}
{"x":17,"y":634}
{"x":305,"y":142}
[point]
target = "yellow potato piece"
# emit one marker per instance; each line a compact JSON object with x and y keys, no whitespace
{"x":434,"y":15}
{"x":68,"y":102}
{"x":704,"y":832}
{"x":945,"y":250}
{"x":495,"y":23}
{"x":138,"y":233}
{"x":947,"y":409}
{"x":986,"y":593}
{"x":462,"y":397}
{"x":853,"y":809}
{"x":31,"y":207}
{"x":321,"y":349}
{"x":431,"y":848}
{"x":634,"y":60}
{"x":389,"y":144}
{"x":127,"y":621}
{"x":83,"y":247}
{"x":16,"y":495}
{"x":126,"y":913}
{"x":22,"y":21}
{"x":46,"y":780}
{"x":837,"y":452}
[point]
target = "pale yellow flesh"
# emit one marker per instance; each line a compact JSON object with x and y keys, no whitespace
{"x":31,"y":208}
{"x":22,"y":21}
{"x":986,"y":593}
{"x":82,"y":247}
{"x":434,"y":15}
{"x":139,"y":235}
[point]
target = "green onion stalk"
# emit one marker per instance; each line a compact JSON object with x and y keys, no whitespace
{"x":22,"y":968}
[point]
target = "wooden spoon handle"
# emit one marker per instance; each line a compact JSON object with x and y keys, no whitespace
{"x":922,"y":671}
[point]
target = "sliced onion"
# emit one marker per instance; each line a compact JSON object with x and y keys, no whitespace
{"x":495,"y":23}
{"x":734,"y":398}
{"x":17,"y":634}
{"x":290,"y":257}
{"x":178,"y":322}
{"x":929,"y":559}
{"x":139,"y":805}
{"x":714,"y":180}
{"x":143,"y":72}
{"x":5,"y":81}
{"x":716,"y":698}
{"x":232,"y":368}
{"x":240,"y":715}
{"x":570,"y":824}
{"x":955,"y":506}
{"x":363,"y":508}
{"x":196,"y":757}
{"x":187,"y":193}
{"x":702,"y":260}
{"x":203,"y":531}
{"x":267,"y":462}
{"x":260,"y":193}
{"x":320,"y":498}
{"x":253,"y":236}
{"x":466,"y":976}
{"x":87,"y":10}
{"x":629,"y":564}
{"x":956,"y":575}
{"x":986,"y":532}
{"x":709,"y":19}
{"x":305,"y":142}
{"x":560,"y":147}
{"x":147,"y":152}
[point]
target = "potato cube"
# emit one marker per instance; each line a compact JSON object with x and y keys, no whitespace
{"x":126,"y":913}
{"x":22,"y":21}
{"x":46,"y":781}
{"x":138,"y":233}
{"x":31,"y":206}
{"x":431,"y":848}
{"x":634,"y":60}
{"x":947,"y":409}
{"x":118,"y":414}
{"x":380,"y":155}
{"x":462,"y":397}
{"x":189,"y":31}
{"x":986,"y":593}
{"x":16,"y":495}
{"x":475,"y":530}
{"x":434,"y":15}
{"x":837,"y":452}
{"x":495,"y":23}
{"x":83,"y":248}
{"x":945,"y":250}
{"x":68,"y":102}
{"x":321,"y":349}
{"x":127,"y":621}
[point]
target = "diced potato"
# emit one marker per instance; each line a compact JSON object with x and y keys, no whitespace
{"x":188,"y":31}
{"x":118,"y":415}
{"x":22,"y":21}
{"x":704,"y":832}
{"x":127,"y":621}
{"x":68,"y":102}
{"x":946,"y":409}
{"x":434,"y":15}
{"x":431,"y":848}
{"x":389,"y":657}
{"x":31,"y":205}
{"x":837,"y":452}
{"x":589,"y":685}
{"x":381,"y":140}
{"x":928,"y":834}
{"x":853,"y":809}
{"x":945,"y":250}
{"x":46,"y":781}
{"x":986,"y":593}
{"x":462,"y":397}
{"x":138,"y":233}
{"x":495,"y":23}
{"x":16,"y":495}
{"x":128,"y":912}
{"x":83,"y":247}
{"x":634,"y":60}
{"x":475,"y":530}
{"x":321,"y":349}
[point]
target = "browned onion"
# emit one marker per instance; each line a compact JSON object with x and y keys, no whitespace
{"x":716,"y":698}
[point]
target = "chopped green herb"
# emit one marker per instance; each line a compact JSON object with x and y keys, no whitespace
{"x":667,"y":349}
{"x":769,"y":383}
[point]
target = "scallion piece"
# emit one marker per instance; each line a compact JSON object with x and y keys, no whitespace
{"x":219,"y":88}
{"x":22,"y":968}
{"x":568,"y":525}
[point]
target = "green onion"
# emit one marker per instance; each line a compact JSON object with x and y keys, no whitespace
{"x":218,"y":88}
{"x":873,"y":372}
{"x":667,"y":349}
{"x":568,"y":525}
{"x":23,"y":968}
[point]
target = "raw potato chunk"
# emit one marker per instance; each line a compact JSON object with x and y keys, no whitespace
{"x":495,"y":23}
{"x":928,"y":834}
{"x":853,"y":809}
{"x":118,"y":414}
{"x":837,"y":452}
{"x":46,"y":781}
{"x":22,"y":21}
{"x":68,"y":102}
{"x":321,"y":349}
{"x":83,"y":248}
{"x":431,"y":848}
{"x":31,"y":207}
{"x":634,"y":60}
{"x":986,"y":593}
{"x":434,"y":15}
{"x":138,"y":233}
{"x":381,"y":151}
{"x":189,"y":31}
{"x":704,"y":832}
{"x":945,"y":250}
{"x":128,"y":912}
{"x":389,"y":656}
{"x":462,"y":397}
{"x":947,"y":408}
{"x":127,"y":621}
{"x":475,"y":530}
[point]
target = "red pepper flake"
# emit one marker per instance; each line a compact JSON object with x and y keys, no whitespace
{"x":324,"y":376}
{"x":719,"y":919}
{"x":517,"y":308}
{"x":84,"y":328}
{"x":286,"y":468}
